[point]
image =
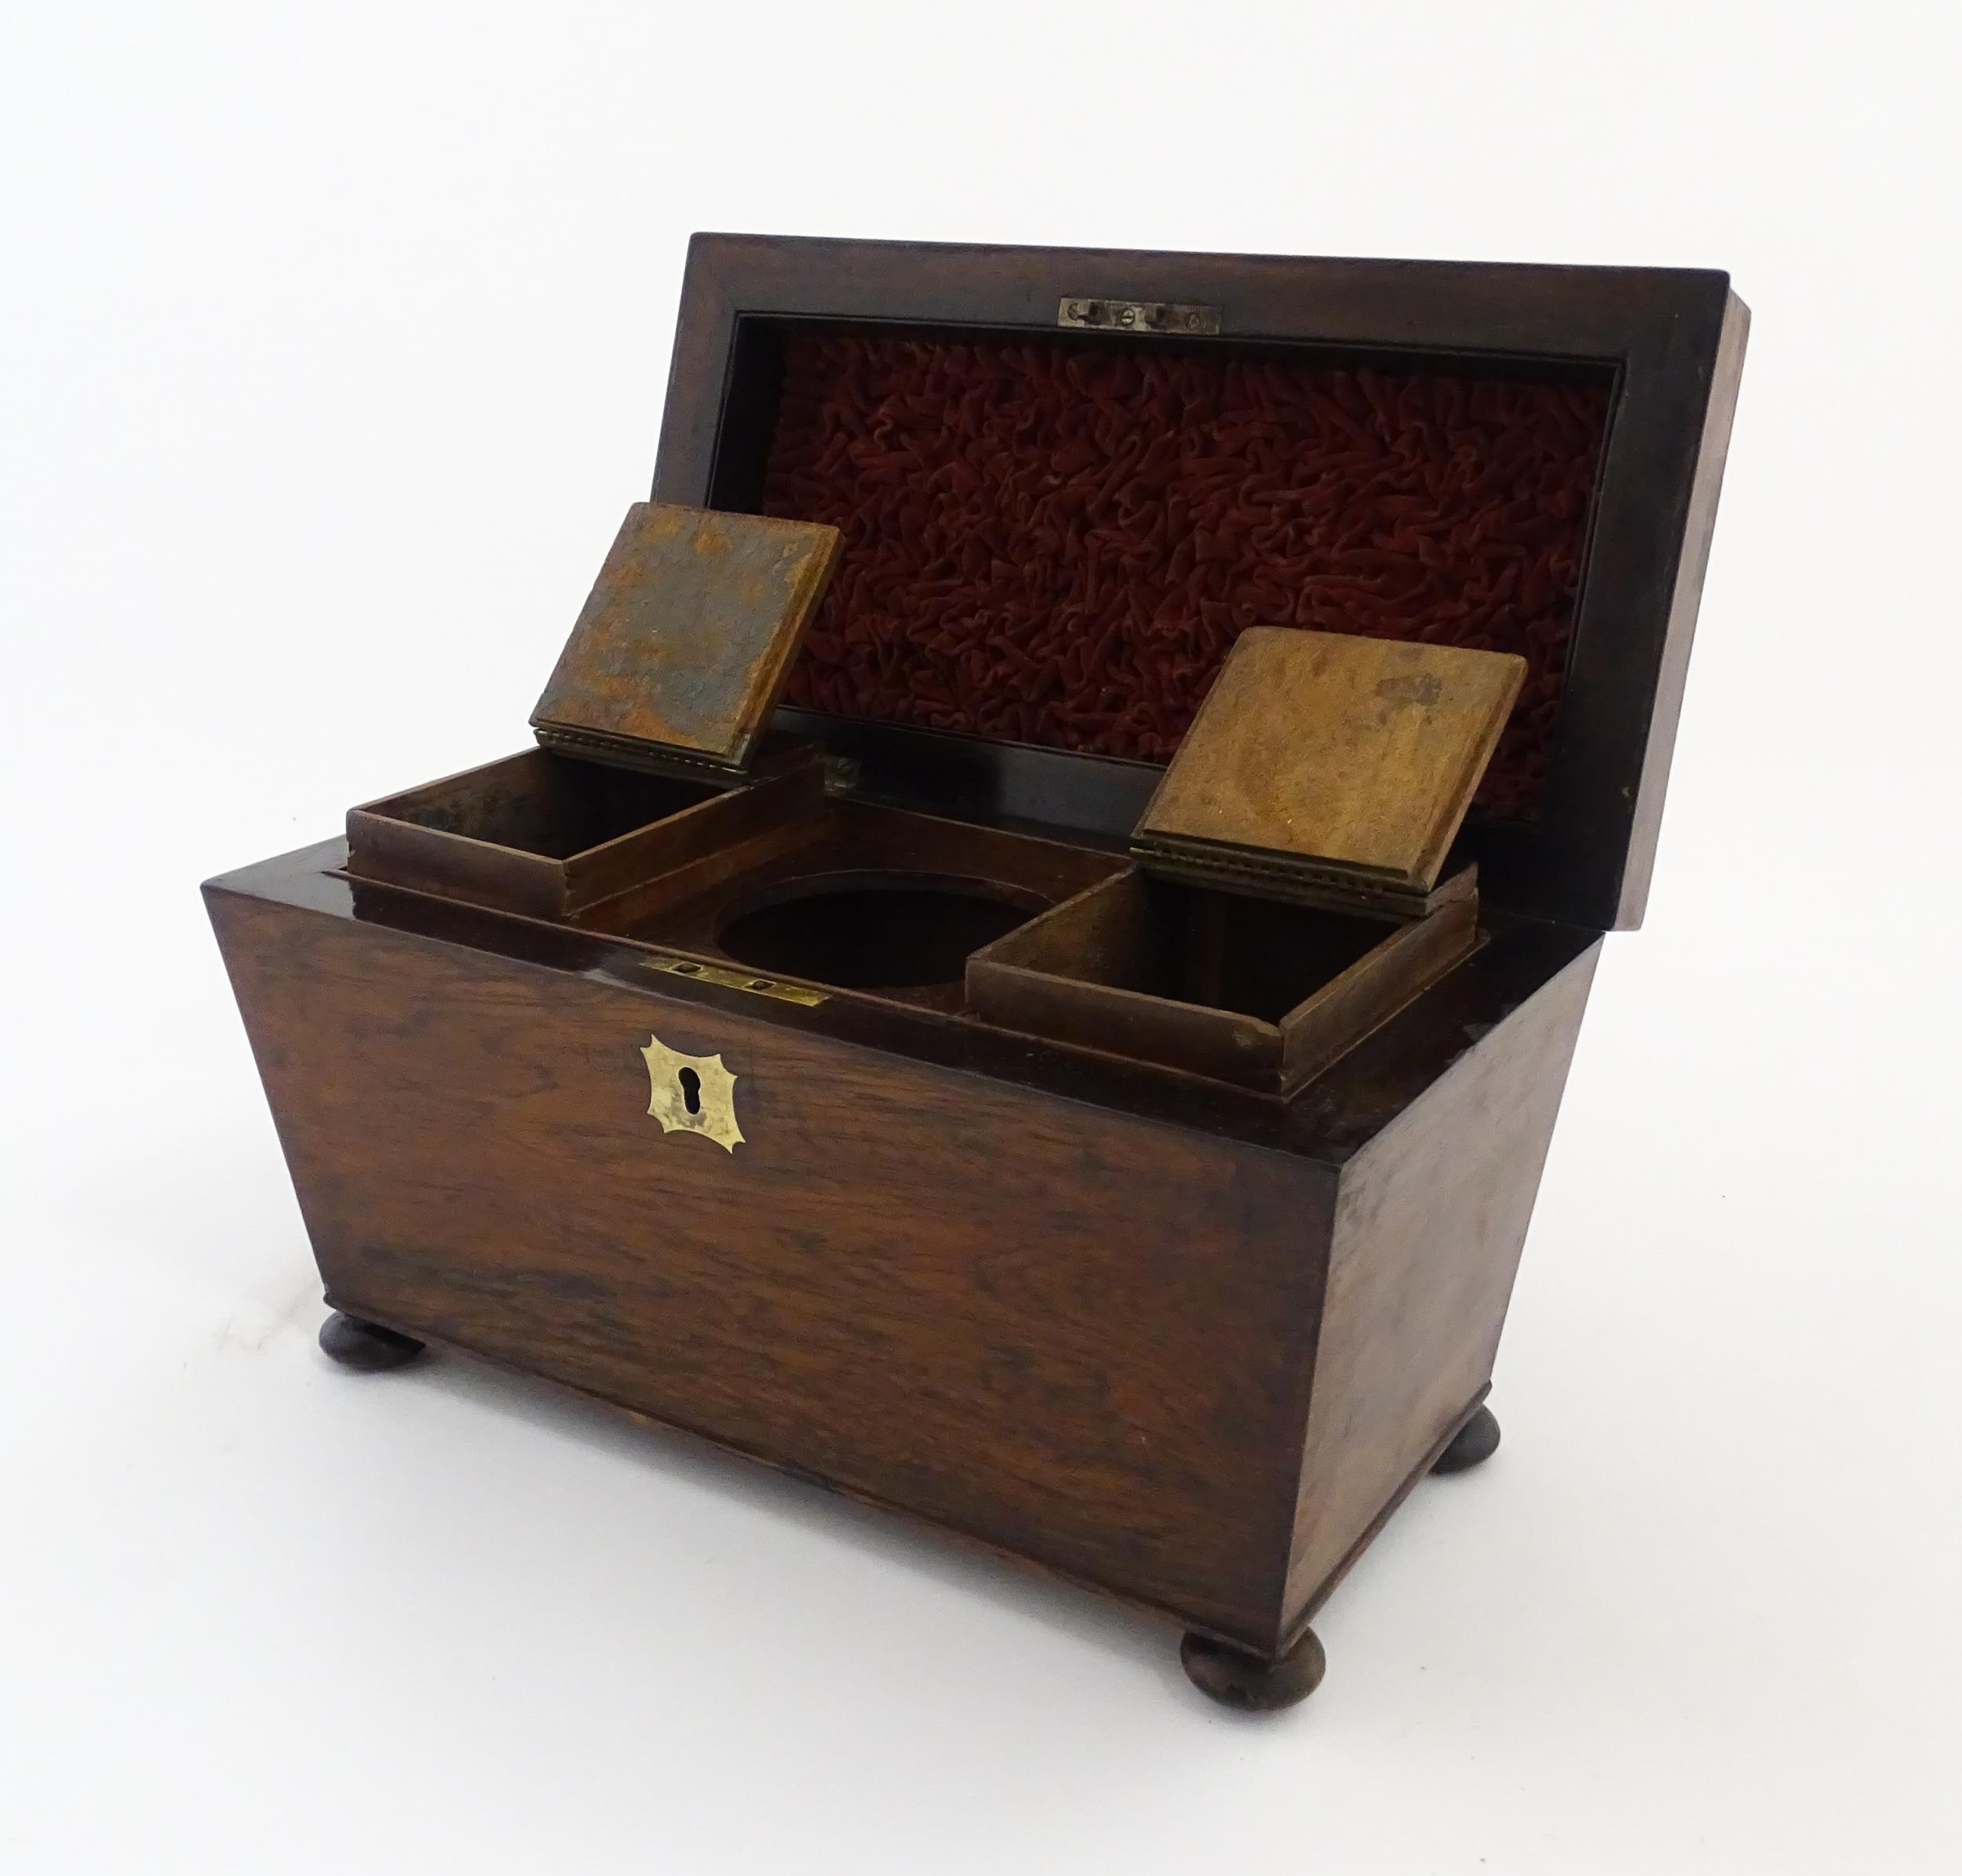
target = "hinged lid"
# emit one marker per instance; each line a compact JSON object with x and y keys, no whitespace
{"x":1329,"y":768}
{"x":1058,"y":518}
{"x":680,"y":651}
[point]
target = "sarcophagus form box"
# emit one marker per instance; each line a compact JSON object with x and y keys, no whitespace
{"x":1030,"y":973}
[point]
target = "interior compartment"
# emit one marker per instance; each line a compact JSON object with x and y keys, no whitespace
{"x":538,"y":802}
{"x":1054,"y":539}
{"x":859,"y":898}
{"x":1257,"y":992}
{"x":866,"y":930}
{"x":1254,"y":957}
{"x":550,"y":835}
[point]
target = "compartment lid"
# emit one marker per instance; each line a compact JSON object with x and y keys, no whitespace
{"x":685,"y":642}
{"x":1068,"y":478}
{"x":1329,"y":767}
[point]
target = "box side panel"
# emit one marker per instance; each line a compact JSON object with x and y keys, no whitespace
{"x":1077,"y":1335}
{"x":1430,"y":1222}
{"x":1698,"y":529}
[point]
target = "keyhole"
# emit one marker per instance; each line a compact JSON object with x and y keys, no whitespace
{"x":690,"y":1089}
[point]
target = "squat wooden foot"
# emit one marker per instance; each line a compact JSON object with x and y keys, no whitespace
{"x":1477,"y":1440}
{"x":1236,"y":1678}
{"x":365,"y":1346}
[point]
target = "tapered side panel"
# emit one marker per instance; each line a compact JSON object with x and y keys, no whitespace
{"x":1430,"y":1221}
{"x":1699,"y":527}
{"x":1079,"y":1336}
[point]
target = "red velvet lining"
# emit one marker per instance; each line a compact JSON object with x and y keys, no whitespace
{"x":1053,"y":543}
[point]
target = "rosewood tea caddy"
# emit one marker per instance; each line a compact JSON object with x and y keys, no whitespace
{"x":1029,"y":973}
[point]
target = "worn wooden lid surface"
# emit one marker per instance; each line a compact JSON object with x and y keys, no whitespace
{"x":1339,"y":755}
{"x":687,"y":636}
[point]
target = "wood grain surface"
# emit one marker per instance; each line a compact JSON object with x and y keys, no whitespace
{"x":1186,"y":1341}
{"x":1073,"y":1335}
{"x":1353,"y":752}
{"x":1429,"y":1225}
{"x":687,"y":636}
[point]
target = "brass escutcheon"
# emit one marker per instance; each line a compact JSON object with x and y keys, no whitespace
{"x":691,"y":1094}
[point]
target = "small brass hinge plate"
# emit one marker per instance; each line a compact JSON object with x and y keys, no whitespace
{"x":1138,"y":316}
{"x":757,"y":985}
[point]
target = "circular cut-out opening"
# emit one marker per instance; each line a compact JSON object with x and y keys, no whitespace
{"x":871,"y":930}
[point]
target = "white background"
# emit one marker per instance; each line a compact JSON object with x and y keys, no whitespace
{"x":333,"y":344}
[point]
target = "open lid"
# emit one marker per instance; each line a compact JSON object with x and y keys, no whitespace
{"x":681,"y":650}
{"x":1329,"y":768}
{"x":1069,"y":479}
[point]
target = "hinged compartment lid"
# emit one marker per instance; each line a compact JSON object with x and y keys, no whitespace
{"x":679,"y":655}
{"x":1329,"y":768}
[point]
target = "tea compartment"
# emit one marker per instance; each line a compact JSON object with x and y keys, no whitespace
{"x":1259,"y":993}
{"x":861,"y":899}
{"x":549,"y":834}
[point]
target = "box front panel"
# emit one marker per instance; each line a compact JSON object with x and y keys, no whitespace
{"x":1082,"y":1337}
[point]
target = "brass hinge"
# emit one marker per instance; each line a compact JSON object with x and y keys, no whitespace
{"x":840,"y":774}
{"x":1138,"y":316}
{"x":1331,"y":887}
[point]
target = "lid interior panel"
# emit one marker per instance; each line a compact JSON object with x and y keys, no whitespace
{"x":1055,"y":540}
{"x":1533,"y":466}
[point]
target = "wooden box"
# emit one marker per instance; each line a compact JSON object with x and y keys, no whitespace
{"x":899,"y":1074}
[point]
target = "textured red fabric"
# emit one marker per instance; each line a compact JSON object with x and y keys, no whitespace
{"x":1054,"y":544}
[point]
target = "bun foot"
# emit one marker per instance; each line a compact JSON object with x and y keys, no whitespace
{"x":365,"y":1346}
{"x":1237,"y":1679}
{"x":1477,"y":1440}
